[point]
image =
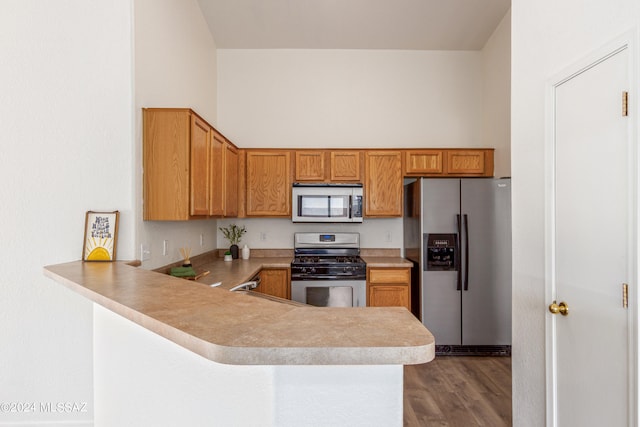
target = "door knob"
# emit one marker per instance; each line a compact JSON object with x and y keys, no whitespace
{"x":562,"y":308}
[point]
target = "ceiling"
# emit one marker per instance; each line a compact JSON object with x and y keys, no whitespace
{"x":353,"y":24}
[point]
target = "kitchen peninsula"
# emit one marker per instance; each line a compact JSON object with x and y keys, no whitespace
{"x":332,"y":366}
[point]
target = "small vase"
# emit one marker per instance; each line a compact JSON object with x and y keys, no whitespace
{"x":234,"y":251}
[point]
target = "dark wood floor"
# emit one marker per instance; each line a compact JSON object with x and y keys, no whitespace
{"x":458,"y":391}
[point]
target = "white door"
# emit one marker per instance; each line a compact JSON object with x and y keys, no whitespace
{"x":590,"y":230}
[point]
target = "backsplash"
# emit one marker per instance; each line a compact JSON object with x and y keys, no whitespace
{"x":277,"y":233}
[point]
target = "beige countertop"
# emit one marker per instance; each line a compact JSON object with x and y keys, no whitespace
{"x":238,"y":328}
{"x":232,"y":273}
{"x":386,"y":261}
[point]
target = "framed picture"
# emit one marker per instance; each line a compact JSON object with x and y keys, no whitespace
{"x":100,"y":236}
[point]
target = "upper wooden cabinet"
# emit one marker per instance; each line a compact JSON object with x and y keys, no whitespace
{"x":268,"y":183}
{"x":327,"y":166}
{"x":470,"y":162}
{"x":217,"y":148}
{"x":231,"y":181}
{"x":310,"y":165}
{"x":345,"y":166}
{"x":184,"y":167}
{"x":383,"y":184}
{"x":449,"y":162}
{"x":200,"y":164}
{"x":224,"y":177}
{"x":422,"y":162}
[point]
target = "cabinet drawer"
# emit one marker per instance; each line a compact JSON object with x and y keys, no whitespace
{"x":390,"y":275}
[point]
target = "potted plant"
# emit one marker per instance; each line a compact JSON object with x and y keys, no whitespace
{"x":233,"y":234}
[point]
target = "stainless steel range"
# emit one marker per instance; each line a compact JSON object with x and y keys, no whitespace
{"x":327,"y":270}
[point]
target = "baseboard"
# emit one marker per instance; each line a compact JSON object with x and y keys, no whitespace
{"x":473,"y":350}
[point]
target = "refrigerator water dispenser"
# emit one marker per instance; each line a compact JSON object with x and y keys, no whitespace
{"x":441,"y":252}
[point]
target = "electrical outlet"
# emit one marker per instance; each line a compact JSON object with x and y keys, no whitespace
{"x":145,"y":252}
{"x":263,"y":236}
{"x":388,"y":236}
{"x":165,"y":247}
{"x":201,"y":240}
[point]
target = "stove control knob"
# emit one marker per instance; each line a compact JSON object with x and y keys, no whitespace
{"x":312,"y":270}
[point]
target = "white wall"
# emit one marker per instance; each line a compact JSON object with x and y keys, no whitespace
{"x":547,"y":36}
{"x":496,"y":95}
{"x":175,"y":66}
{"x":278,"y":232}
{"x":350,"y":98}
{"x":67,"y":128}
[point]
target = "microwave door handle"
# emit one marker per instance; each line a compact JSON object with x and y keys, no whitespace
{"x":350,"y":206}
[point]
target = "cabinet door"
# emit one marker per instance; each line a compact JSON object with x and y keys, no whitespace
{"x":275,"y":282}
{"x":231,"y":180}
{"x":383,"y":184}
{"x":166,"y":164}
{"x":216,"y":201}
{"x":345,"y":166}
{"x":423,"y":162}
{"x":268,"y":178}
{"x":200,"y":134}
{"x":389,"y":296}
{"x":310,"y":166}
{"x":468,"y":162}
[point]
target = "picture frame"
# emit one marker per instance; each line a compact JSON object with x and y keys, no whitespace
{"x":100,"y":236}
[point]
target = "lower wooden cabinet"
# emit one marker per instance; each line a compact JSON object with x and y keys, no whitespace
{"x":389,"y":287}
{"x":275,"y":282}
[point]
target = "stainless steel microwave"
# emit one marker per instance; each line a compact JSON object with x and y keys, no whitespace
{"x":326,"y":203}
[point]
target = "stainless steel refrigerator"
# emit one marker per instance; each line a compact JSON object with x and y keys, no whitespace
{"x":457,"y":232}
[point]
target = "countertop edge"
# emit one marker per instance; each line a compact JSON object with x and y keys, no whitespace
{"x":421,"y":351}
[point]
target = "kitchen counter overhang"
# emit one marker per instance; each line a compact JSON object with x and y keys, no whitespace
{"x":239,"y":329}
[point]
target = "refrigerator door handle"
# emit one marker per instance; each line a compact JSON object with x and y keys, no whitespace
{"x":466,"y":252}
{"x":459,"y":279}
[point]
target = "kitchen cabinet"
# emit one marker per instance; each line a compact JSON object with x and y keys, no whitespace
{"x":469,"y":162}
{"x":230,"y":180}
{"x":189,"y":169}
{"x":389,"y":287}
{"x":224,"y":177}
{"x":449,"y":162}
{"x":345,"y":166}
{"x":423,"y":162}
{"x":175,"y":164}
{"x":327,"y":166}
{"x":275,"y":282}
{"x":310,"y":165}
{"x":383,"y":184}
{"x":199,"y":168}
{"x":268,"y":183}
{"x":217,"y":149}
